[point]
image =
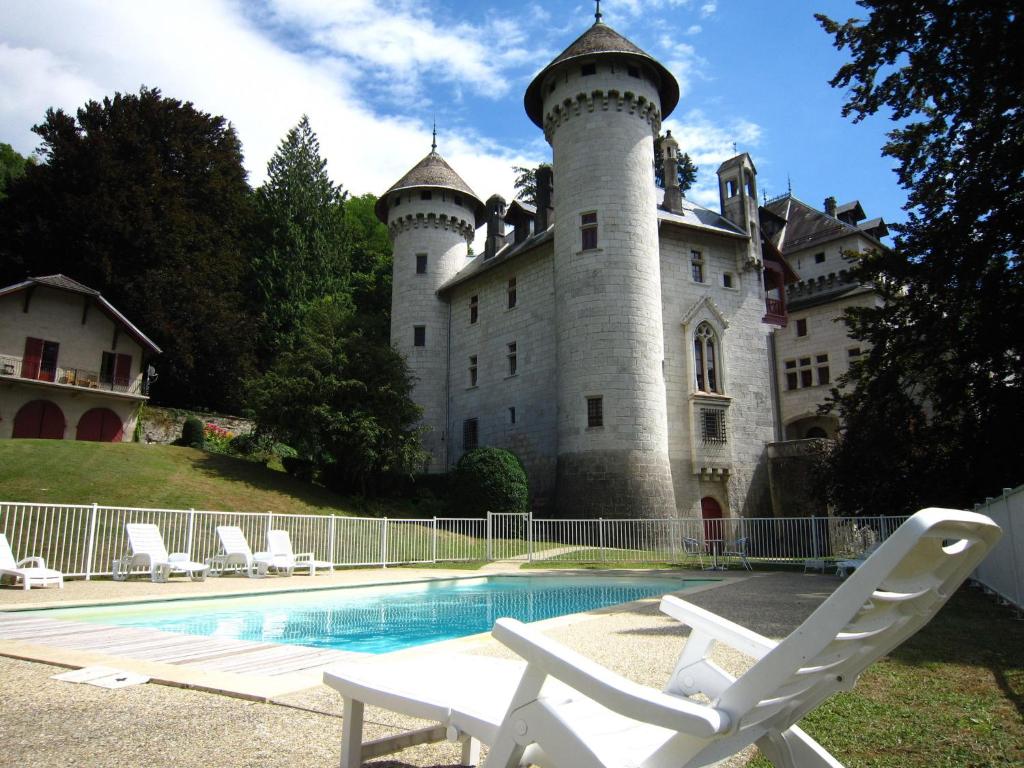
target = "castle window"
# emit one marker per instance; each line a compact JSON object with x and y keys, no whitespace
{"x":731,"y":188}
{"x":396,"y":201}
{"x":472,"y":370}
{"x":511,"y":293}
{"x":712,"y":425}
{"x":633,"y":71}
{"x":705,"y":359}
{"x":421,"y":263}
{"x":853,"y":353}
{"x":806,"y":375}
{"x":457,"y":199}
{"x":749,"y":183}
{"x":513,"y":359}
{"x":697,"y":266}
{"x":512,"y":415}
{"x":588,"y":69}
{"x":801,"y":327}
{"x":595,"y":411}
{"x":470,"y":434}
{"x":474,"y":309}
{"x":819,"y":258}
{"x":425,"y":195}
{"x":823,"y":372}
{"x":588,"y":231}
{"x":419,"y":335}
{"x":791,"y":378}
{"x":727,"y":279}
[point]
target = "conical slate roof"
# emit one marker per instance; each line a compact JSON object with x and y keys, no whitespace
{"x":599,"y":39}
{"x":432,"y":171}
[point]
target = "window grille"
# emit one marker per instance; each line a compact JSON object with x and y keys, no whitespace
{"x":470,"y":435}
{"x":595,"y":412}
{"x":712,"y":422}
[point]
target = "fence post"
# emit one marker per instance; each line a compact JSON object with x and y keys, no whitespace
{"x":529,"y":536}
{"x":384,"y":544}
{"x":490,"y":538}
{"x":330,"y":543}
{"x":191,"y":531}
{"x":90,"y":545}
{"x":433,"y":551}
{"x":270,"y":527}
{"x":600,"y":536}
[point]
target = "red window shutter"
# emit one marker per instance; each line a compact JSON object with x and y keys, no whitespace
{"x":122,"y":370}
{"x":30,"y":360}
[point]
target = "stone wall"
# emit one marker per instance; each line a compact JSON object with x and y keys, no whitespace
{"x":163,"y":425}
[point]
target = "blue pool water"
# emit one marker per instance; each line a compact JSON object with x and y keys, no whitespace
{"x":382,"y":619}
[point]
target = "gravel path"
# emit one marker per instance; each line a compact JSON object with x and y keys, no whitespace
{"x":44,"y":722}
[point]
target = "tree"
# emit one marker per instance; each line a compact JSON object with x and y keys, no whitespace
{"x":685,"y":169}
{"x":947,"y":344}
{"x":341,"y":400}
{"x":526,"y":182}
{"x":145,"y":199}
{"x":12,"y":166}
{"x":302,"y":254}
{"x":369,"y":254}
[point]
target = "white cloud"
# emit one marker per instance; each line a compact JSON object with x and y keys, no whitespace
{"x":709,"y":144}
{"x":694,"y":29}
{"x":684,"y":62}
{"x":708,"y":8}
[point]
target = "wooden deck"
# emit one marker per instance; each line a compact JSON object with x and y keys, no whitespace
{"x":208,"y":653}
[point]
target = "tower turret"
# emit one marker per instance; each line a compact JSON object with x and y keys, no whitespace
{"x":737,"y":192}
{"x":432,"y":215}
{"x":600,"y":103}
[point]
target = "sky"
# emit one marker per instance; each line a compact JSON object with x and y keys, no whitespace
{"x":373,"y":76}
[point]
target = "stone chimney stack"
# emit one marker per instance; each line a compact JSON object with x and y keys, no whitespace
{"x":673,"y":195}
{"x":495,"y":226}
{"x":545,"y":213}
{"x":830,"y":206}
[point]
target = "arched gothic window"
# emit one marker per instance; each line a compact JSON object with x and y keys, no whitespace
{"x":705,"y":359}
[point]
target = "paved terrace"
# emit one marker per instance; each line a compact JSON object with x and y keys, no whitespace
{"x":208,"y":716}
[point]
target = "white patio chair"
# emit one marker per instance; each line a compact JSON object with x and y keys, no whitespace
{"x":693,"y":548}
{"x":235,"y":553}
{"x":284,"y":559}
{"x":558,"y":709}
{"x":843,"y":567}
{"x":738,"y":549}
{"x":148,"y":552}
{"x":31,"y":571}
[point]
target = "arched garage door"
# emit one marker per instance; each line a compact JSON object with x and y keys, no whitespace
{"x":100,"y":425}
{"x":39,"y":419}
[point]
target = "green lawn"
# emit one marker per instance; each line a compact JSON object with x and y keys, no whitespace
{"x":164,"y":476}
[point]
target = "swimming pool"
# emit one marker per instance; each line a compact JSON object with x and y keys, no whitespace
{"x":383,"y":618}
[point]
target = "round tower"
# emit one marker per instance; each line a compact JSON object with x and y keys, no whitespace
{"x":600,"y":103}
{"x":431,"y":214}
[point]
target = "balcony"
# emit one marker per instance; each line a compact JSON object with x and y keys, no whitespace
{"x":775,"y":312}
{"x":10,"y":368}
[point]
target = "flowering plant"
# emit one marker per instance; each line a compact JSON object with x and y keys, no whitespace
{"x":217,"y":438}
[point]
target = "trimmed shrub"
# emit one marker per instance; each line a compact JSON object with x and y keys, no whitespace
{"x":489,"y":480}
{"x":192,"y":432}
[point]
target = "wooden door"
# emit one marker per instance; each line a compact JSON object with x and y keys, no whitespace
{"x":39,"y":419}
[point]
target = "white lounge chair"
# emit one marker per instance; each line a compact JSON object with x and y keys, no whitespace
{"x":556,"y":708}
{"x":35,"y":575}
{"x":236,"y":554}
{"x":843,"y":567}
{"x":284,"y":559}
{"x":148,"y":552}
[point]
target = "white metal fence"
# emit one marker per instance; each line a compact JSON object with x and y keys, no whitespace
{"x":1002,"y":571}
{"x":84,"y":540}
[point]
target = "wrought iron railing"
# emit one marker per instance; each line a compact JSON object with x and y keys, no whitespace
{"x":11,"y":367}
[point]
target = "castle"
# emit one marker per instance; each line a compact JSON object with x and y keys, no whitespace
{"x":617,"y":339}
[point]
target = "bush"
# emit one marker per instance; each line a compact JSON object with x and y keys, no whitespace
{"x":216,"y":438}
{"x":489,"y":480}
{"x":192,"y":432}
{"x":303,"y":469}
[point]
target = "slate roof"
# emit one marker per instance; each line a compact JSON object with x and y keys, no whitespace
{"x":432,"y":171}
{"x":698,"y":217}
{"x":65,"y":283}
{"x":807,"y":226}
{"x":601,"y":39}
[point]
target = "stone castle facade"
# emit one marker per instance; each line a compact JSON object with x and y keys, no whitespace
{"x":616,"y":338}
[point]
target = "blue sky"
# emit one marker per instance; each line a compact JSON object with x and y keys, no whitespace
{"x":373,"y":74}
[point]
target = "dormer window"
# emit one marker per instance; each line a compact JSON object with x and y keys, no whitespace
{"x":588,"y":69}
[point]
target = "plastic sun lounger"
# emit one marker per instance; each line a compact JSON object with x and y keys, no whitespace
{"x":31,"y":571}
{"x":557,"y":708}
{"x":284,"y":559}
{"x":236,"y":554}
{"x":148,"y":552}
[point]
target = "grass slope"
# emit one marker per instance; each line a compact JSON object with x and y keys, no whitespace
{"x":161,"y":476}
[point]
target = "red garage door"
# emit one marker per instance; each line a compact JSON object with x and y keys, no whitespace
{"x":39,"y":419}
{"x":100,"y":425}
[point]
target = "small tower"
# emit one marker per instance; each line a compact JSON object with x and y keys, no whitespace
{"x":600,"y":103}
{"x":737,"y":192}
{"x":432,"y":215}
{"x":670,"y":163}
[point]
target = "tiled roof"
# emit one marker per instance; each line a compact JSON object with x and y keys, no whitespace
{"x":66,"y":283}
{"x":601,"y":39}
{"x":806,"y":226}
{"x":432,"y":171}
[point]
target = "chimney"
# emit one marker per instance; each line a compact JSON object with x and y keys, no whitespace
{"x":495,"y":225}
{"x":673,"y":196}
{"x":545,"y":178}
{"x":830,"y":206}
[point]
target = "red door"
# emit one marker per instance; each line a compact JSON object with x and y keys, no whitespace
{"x":100,"y":425}
{"x":711,"y":512}
{"x":39,"y":419}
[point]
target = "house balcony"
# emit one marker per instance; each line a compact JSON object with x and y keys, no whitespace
{"x":79,"y":378}
{"x":775,"y":312}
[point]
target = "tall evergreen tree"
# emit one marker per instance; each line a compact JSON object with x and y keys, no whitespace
{"x":303,"y":254}
{"x":12,"y":166}
{"x":145,"y":199}
{"x":948,"y":345}
{"x":686,"y":171}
